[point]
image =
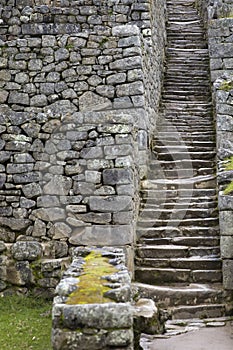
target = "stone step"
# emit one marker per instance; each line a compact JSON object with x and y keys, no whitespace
{"x":175,"y":251}
{"x":186,"y":164}
{"x":182,"y":148}
{"x":148,"y":223}
{"x":194,"y":241}
{"x":190,"y":294}
{"x":207,"y":181}
{"x":198,"y":311}
{"x":157,"y":203}
{"x":179,"y":173}
{"x":171,"y":276}
{"x":186,"y":213}
{"x":171,"y":231}
{"x":192,"y":263}
{"x":175,"y":155}
{"x":181,"y":193}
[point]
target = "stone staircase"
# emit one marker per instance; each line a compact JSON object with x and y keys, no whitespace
{"x":178,"y":255}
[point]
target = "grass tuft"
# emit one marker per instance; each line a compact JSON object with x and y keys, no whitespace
{"x":25,"y":323}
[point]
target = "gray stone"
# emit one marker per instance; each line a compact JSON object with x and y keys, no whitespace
{"x":15,"y":224}
{"x":134,"y":88}
{"x":39,"y":229}
{"x":225,"y":202}
{"x":114,"y":151}
{"x":39,"y":101}
{"x":227,"y":274}
{"x":226,"y":244}
{"x":226,"y":223}
{"x":91,"y":101}
{"x":58,"y":185}
{"x":92,"y":153}
{"x":49,"y":214}
{"x":48,"y":201}
{"x":110,"y":203}
{"x":126,"y":63}
{"x":123,"y":217}
{"x":60,"y":230}
{"x":98,"y":235}
{"x":125,"y":30}
{"x":97,"y":218}
{"x":18,"y":98}
{"x":117,"y":176}
{"x":26,"y":250}
{"x":31,"y":190}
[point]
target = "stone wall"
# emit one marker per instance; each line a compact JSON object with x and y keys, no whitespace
{"x":79,"y":89}
{"x":220,"y":33}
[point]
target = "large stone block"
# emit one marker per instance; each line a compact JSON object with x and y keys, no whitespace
{"x":227,"y":247}
{"x":100,"y":235}
{"x":117,"y":176}
{"x":110,"y":203}
{"x":226,"y":223}
{"x":227,"y":274}
{"x":28,"y":250}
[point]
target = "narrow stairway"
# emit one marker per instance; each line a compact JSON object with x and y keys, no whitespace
{"x":178,"y":255}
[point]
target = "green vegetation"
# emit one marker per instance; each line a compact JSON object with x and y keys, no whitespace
{"x":226,"y":85}
{"x":229,"y":188}
{"x":229,"y":163}
{"x":92,"y":285}
{"x":25,"y":323}
{"x":229,"y":166}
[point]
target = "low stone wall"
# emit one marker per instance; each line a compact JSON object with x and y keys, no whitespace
{"x":79,"y":91}
{"x":94,"y":313}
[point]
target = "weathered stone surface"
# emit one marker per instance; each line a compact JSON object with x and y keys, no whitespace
{"x":98,"y":316}
{"x":110,"y":203}
{"x":226,"y":223}
{"x":90,"y":101}
{"x":49,"y":214}
{"x":58,"y":185}
{"x":15,"y":224}
{"x":26,"y":250}
{"x":114,"y":235}
{"x":227,"y":247}
{"x":227,"y":274}
{"x":117,"y":176}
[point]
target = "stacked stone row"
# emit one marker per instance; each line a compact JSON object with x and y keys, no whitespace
{"x":22,"y":17}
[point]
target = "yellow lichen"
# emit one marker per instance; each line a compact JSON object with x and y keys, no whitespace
{"x":92,"y":285}
{"x":229,"y":164}
{"x":229,"y":188}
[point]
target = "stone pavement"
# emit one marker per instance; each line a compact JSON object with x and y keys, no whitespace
{"x":213,"y":336}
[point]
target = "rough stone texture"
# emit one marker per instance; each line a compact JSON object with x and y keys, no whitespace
{"x":110,"y":324}
{"x":220,"y":28}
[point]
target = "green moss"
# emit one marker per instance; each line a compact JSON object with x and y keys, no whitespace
{"x":92,"y":285}
{"x":229,"y":163}
{"x":229,"y":188}
{"x":103,"y":41}
{"x":226,"y":86}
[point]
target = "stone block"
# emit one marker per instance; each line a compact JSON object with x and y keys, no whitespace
{"x":225,"y":202}
{"x":226,"y":245}
{"x":28,"y":250}
{"x":100,"y":235}
{"x":226,"y":223}
{"x":110,"y":203}
{"x":227,"y":274}
{"x":117,"y":176}
{"x":125,"y":30}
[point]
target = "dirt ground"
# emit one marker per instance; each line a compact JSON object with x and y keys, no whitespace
{"x":217,"y":338}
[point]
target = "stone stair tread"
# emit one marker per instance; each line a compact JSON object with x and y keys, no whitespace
{"x":187,"y":241}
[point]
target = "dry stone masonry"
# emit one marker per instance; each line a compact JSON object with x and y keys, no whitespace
{"x":80,"y":85}
{"x":221,"y":52}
